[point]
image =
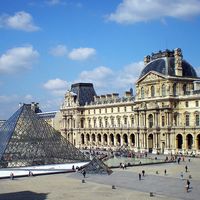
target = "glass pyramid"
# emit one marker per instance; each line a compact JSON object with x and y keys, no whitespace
{"x":28,"y":140}
{"x":96,"y":166}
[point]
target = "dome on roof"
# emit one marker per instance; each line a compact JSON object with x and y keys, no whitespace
{"x":164,"y":63}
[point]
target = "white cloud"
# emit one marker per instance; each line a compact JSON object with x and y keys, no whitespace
{"x":20,"y":21}
{"x":17,"y":58}
{"x":81,"y":53}
{"x":8,"y":99}
{"x":51,"y":104}
{"x":10,"y":103}
{"x":130,"y":74}
{"x":53,"y":2}
{"x":28,"y":97}
{"x":96,"y":76}
{"x":132,"y":11}
{"x":56,"y":86}
{"x":59,"y":50}
{"x":105,"y":80}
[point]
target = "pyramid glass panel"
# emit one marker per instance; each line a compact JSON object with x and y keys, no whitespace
{"x":28,"y":140}
{"x":96,"y":166}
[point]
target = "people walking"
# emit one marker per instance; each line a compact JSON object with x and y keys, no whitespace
{"x":186,"y":168}
{"x":84,"y":173}
{"x":165,"y":172}
{"x":11,"y":176}
{"x":182,"y":175}
{"x":139,"y":177}
{"x":187,"y":185}
{"x":143,"y":172}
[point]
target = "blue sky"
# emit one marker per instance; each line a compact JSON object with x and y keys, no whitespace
{"x":46,"y":45}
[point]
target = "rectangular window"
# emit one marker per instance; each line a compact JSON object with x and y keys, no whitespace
{"x":186,"y":104}
{"x":118,"y":122}
{"x":112,"y":122}
{"x":106,"y":123}
{"x":124,"y":109}
{"x":94,"y":123}
{"x":187,"y":120}
{"x":197,"y":120}
{"x":125,"y":121}
{"x":118,"y":109}
{"x":99,"y":111}
{"x":100,"y":123}
{"x":197,"y":103}
{"x":111,"y":110}
{"x":89,"y":123}
{"x":132,"y":121}
{"x":163,"y":120}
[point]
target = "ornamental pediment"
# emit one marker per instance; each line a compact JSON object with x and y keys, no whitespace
{"x":151,"y":76}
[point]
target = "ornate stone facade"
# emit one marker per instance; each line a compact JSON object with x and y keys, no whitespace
{"x":163,"y":116}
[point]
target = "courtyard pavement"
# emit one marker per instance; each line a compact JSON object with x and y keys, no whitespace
{"x":99,"y":187}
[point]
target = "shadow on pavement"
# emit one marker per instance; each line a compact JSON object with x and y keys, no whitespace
{"x":24,"y":195}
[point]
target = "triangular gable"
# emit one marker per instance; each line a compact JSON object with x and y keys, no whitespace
{"x":28,"y":140}
{"x":96,"y":166}
{"x":152,"y":75}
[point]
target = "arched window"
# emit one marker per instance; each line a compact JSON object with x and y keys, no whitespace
{"x":152,"y":91}
{"x":142,"y":93}
{"x":163,"y":90}
{"x":189,"y":141}
{"x":150,"y":118}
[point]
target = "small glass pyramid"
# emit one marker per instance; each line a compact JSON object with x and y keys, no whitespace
{"x":28,"y":140}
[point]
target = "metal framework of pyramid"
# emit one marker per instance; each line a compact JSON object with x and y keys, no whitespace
{"x":96,"y":166}
{"x":28,"y":140}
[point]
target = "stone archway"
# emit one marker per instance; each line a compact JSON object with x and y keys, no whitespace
{"x":132,"y":139}
{"x":118,"y":138}
{"x":111,"y":139}
{"x":82,"y":139}
{"x":198,"y":141}
{"x":125,"y":139}
{"x":93,"y":138}
{"x":150,"y":142}
{"x":87,"y":138}
{"x":99,"y":138}
{"x":105,"y":139}
{"x":179,"y":141}
{"x":189,"y":141}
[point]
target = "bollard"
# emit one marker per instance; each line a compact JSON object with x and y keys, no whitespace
{"x":113,"y":187}
{"x":151,"y":194}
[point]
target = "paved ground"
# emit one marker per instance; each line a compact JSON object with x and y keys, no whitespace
{"x":99,"y":187}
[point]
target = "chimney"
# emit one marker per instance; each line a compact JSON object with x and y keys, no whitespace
{"x":96,"y":98}
{"x":108,"y":96}
{"x":102,"y":97}
{"x":127,"y":94}
{"x":178,"y":62}
{"x":115,"y":95}
{"x":147,"y":59}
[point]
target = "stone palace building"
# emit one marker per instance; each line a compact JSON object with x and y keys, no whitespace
{"x":162,"y":117}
